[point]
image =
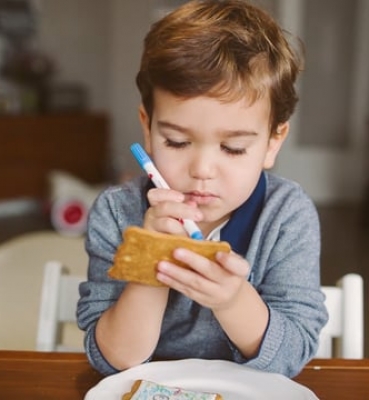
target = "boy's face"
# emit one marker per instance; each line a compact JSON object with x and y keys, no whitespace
{"x":211,"y":151}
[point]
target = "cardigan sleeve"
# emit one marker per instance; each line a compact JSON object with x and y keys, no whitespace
{"x":111,"y":213}
{"x":286,"y":273}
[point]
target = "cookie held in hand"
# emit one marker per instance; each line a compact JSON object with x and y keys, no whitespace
{"x":137,"y":257}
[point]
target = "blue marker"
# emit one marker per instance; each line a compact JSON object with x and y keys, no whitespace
{"x":148,"y":166}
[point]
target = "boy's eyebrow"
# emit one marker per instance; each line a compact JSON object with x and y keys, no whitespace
{"x":227,"y":133}
{"x":241,"y":132}
{"x":170,"y":125}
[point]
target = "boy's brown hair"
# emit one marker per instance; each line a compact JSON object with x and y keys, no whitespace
{"x":228,"y":49}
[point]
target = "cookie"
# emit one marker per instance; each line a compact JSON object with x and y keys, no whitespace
{"x":137,"y":257}
{"x":142,"y":390}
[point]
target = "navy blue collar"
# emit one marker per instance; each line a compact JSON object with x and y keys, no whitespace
{"x":239,"y":229}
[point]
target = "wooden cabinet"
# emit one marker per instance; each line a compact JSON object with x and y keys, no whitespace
{"x":33,"y":145}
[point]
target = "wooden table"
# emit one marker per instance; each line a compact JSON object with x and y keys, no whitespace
{"x":337,"y":379}
{"x":68,"y":376}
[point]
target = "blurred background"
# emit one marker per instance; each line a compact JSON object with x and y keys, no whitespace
{"x":68,"y":103}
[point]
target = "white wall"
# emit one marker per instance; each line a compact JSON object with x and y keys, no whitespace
{"x":98,"y":43}
{"x":76,"y":34}
{"x":130,"y":20}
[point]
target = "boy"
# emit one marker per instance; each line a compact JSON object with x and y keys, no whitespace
{"x":217,"y":87}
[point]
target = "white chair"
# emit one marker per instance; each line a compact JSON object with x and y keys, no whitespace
{"x":343,"y":336}
{"x":59,"y":297}
{"x":22,"y":261}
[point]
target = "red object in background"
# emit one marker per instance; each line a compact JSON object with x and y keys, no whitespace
{"x":73,"y":213}
{"x":69,"y":217}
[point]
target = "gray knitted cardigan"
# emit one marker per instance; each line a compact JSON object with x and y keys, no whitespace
{"x":284,"y":255}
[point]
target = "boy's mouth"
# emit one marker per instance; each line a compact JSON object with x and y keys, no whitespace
{"x":200,"y":198}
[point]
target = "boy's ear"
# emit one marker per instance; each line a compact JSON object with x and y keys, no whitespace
{"x":275,"y":143}
{"x":145,"y":125}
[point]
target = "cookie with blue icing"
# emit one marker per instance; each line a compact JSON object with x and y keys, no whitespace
{"x":147,"y":390}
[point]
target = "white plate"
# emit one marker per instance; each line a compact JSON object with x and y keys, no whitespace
{"x":232,"y":381}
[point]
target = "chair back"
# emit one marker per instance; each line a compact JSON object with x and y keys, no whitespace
{"x":343,"y":335}
{"x":59,"y":297}
{"x":22,"y":261}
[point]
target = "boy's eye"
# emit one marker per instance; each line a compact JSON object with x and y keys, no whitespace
{"x":232,"y":150}
{"x":175,"y":144}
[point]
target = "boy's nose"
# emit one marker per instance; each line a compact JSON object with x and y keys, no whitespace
{"x":202,"y":166}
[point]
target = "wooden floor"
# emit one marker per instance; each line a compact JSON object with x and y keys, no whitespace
{"x":345,"y":242}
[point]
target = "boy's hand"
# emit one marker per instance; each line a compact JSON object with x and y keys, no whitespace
{"x":166,"y":210}
{"x":213,"y":285}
